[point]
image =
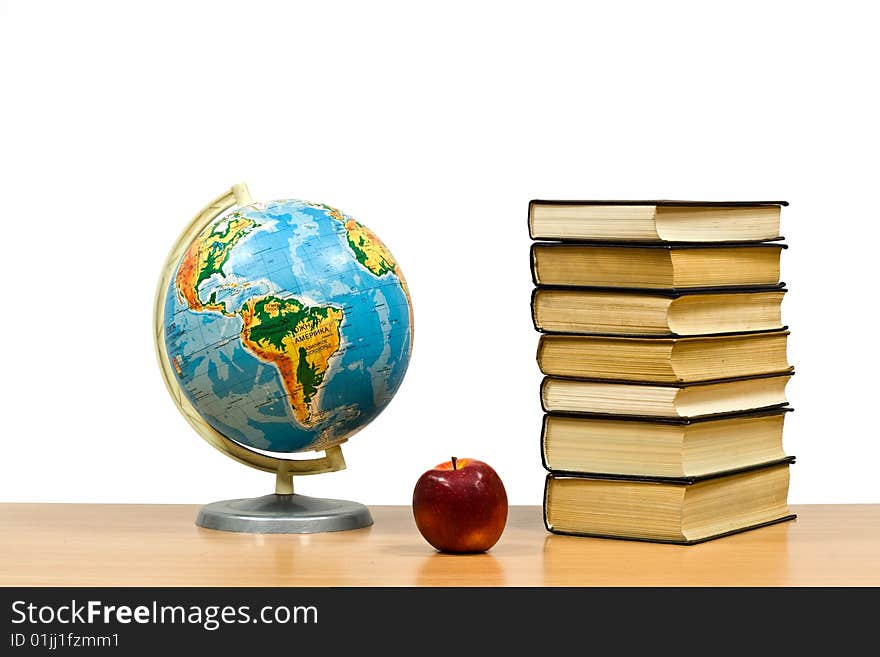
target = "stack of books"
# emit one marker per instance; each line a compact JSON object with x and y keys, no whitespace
{"x":664,"y":355}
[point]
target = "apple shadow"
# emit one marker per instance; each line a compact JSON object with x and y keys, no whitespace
{"x":444,"y":569}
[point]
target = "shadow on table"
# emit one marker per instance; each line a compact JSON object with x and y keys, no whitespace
{"x":755,"y":558}
{"x":439,"y":569}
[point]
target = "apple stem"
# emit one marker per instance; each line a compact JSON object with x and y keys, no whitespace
{"x":454,"y":463}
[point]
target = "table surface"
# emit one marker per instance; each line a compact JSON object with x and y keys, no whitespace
{"x":159,"y":545}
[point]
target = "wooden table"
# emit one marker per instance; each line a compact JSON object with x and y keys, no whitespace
{"x":158,"y":545}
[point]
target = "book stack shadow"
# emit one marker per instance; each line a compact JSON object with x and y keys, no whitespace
{"x":665,"y":362}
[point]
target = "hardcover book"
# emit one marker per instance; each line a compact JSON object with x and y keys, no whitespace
{"x":661,"y":447}
{"x":668,"y":400}
{"x":602,"y":311}
{"x":658,"y":220}
{"x":663,"y":360}
{"x":686,"y":511}
{"x":665,"y":266}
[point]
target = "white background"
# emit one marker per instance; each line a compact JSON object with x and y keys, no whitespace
{"x":434,"y":126}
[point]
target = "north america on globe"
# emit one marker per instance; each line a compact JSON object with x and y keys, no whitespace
{"x":289,"y":325}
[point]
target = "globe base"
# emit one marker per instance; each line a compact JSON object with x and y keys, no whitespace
{"x":284,"y":514}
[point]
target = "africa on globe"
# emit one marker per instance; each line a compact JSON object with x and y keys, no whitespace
{"x":288,"y":325}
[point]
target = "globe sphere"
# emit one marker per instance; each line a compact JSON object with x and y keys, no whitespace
{"x":288,"y":325}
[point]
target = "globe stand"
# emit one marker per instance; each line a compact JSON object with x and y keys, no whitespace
{"x":286,"y":512}
{"x":281,"y":513}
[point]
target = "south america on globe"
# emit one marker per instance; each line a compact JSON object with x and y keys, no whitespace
{"x":288,"y":325}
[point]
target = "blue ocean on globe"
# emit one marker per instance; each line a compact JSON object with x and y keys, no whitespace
{"x":288,"y":325}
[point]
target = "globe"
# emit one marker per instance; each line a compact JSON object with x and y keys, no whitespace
{"x":288,"y":325}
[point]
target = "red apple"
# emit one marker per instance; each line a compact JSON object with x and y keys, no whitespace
{"x":460,"y":506}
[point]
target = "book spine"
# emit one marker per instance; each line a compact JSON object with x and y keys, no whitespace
{"x":534,"y":309}
{"x":542,"y":390}
{"x":530,"y":219}
{"x":544,"y":507}
{"x":533,"y":268}
{"x":543,"y":443}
